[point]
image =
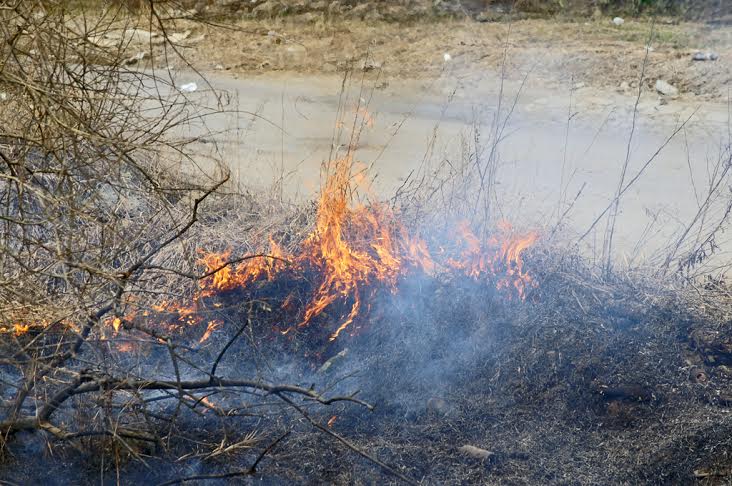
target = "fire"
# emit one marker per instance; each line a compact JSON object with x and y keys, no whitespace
{"x":353,"y":252}
{"x":500,"y":254}
{"x":357,"y":250}
{"x":351,"y":248}
{"x":212,"y":326}
{"x":208,"y":404}
{"x":227,"y":277}
{"x":19,"y":329}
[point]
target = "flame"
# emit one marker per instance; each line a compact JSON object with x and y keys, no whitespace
{"x":212,"y":326}
{"x":19,"y":328}
{"x":352,"y":249}
{"x":353,"y":252}
{"x":229,"y":277}
{"x":356,"y":250}
{"x":498,"y":255}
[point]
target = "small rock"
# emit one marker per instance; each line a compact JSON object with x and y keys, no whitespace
{"x":476,"y":452}
{"x":666,"y":89}
{"x":447,"y":57}
{"x":188,"y":87}
{"x":705,"y":56}
{"x":579,"y":85}
{"x":174,"y":38}
{"x":624,"y":86}
{"x":3,"y":96}
{"x":296,"y":53}
{"x":137,"y":58}
{"x":219,"y":67}
{"x":618,"y":21}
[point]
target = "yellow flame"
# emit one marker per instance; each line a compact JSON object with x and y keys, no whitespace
{"x":19,"y":328}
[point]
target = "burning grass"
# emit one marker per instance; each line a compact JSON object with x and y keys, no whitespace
{"x":326,"y":284}
{"x":496,"y":342}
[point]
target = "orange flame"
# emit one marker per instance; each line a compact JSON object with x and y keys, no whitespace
{"x":499,"y":255}
{"x":228,"y":277}
{"x":212,"y":326}
{"x":356,"y":250}
{"x":353,"y":252}
{"x":19,"y":329}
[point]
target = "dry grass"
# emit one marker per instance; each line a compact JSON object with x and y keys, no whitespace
{"x":595,"y":52}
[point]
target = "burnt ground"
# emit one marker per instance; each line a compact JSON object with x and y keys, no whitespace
{"x":585,"y":384}
{"x":588,"y":381}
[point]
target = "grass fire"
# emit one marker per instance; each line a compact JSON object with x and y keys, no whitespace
{"x":354,"y":271}
{"x":352,"y":254}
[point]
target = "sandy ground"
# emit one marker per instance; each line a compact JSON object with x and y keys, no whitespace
{"x":567,"y":119}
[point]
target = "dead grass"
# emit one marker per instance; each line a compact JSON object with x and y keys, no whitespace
{"x":595,"y":51}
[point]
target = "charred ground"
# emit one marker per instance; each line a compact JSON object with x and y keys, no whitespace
{"x":586,"y":381}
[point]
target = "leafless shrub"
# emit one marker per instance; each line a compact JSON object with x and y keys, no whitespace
{"x":97,"y":185}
